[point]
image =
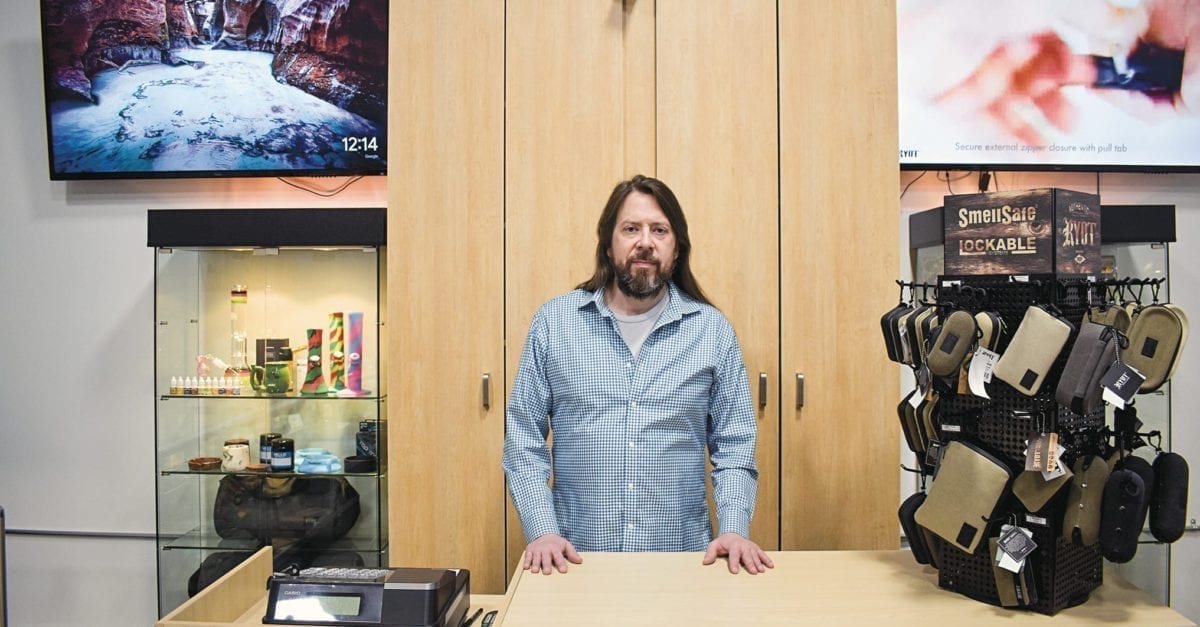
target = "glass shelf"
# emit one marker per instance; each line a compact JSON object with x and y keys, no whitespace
{"x":206,"y":540}
{"x":185,"y":471}
{"x":271,"y":397}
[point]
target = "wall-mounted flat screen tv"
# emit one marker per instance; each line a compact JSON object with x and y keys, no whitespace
{"x":1106,"y":85}
{"x":203,"y":88}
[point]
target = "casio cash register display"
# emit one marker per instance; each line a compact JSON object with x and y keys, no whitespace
{"x":369,"y":597}
{"x":320,"y":607}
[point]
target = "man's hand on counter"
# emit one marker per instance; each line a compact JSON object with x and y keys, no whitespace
{"x":549,"y":552}
{"x":740,"y":551}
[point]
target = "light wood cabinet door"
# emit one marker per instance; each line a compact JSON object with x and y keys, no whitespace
{"x":839,"y":229}
{"x":571,"y":101}
{"x":445,"y":300}
{"x":718,"y":150}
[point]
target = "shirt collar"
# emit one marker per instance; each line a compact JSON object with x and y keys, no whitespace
{"x":680,"y":304}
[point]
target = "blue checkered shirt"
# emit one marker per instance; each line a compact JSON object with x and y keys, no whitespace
{"x":630,"y":433}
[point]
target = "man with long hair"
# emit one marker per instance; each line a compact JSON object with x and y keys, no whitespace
{"x":636,"y":374}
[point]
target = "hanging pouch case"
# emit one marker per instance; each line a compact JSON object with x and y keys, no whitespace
{"x":1036,"y":344}
{"x":927,"y":413}
{"x":948,"y":347}
{"x":912,"y":531}
{"x":1168,"y":499}
{"x":913,"y":335}
{"x":905,"y":342}
{"x":1013,"y":589}
{"x":920,"y":324}
{"x":991,"y":327}
{"x":969,"y":486}
{"x":1123,"y":514}
{"x":911,"y":427}
{"x":1081,"y":524}
{"x":1034,"y":491}
{"x":891,"y":332}
{"x":1156,"y":339}
{"x":1111,"y":315}
{"x":1095,"y":349}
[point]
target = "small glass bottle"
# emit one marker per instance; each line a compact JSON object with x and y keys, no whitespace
{"x":265,"y":442}
{"x":283,"y":454}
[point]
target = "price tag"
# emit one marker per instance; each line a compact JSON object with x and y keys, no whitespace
{"x":980,"y":371}
{"x":1060,"y":469}
{"x":1120,"y":383}
{"x":1042,"y":454}
{"x":1014,"y":545}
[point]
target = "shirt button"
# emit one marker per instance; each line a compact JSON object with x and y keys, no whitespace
{"x":631,"y":486}
{"x":629,"y":526}
{"x":633,"y":403}
{"x":629,"y":364}
{"x":631,"y":445}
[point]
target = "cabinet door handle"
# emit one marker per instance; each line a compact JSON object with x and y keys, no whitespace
{"x":799,"y":390}
{"x":487,"y":390}
{"x":762,"y":390}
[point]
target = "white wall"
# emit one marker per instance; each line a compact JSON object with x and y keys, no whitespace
{"x":1181,"y":190}
{"x":76,"y":387}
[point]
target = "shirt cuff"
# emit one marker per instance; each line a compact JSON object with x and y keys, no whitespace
{"x":540,"y":524}
{"x":738,"y":524}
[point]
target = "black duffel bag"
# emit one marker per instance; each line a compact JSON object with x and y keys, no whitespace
{"x":309,"y":510}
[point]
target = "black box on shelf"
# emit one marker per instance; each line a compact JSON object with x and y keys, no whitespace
{"x":271,"y":350}
{"x":370,"y":434}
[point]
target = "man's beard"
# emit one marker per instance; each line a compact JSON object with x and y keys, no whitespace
{"x":642,"y":284}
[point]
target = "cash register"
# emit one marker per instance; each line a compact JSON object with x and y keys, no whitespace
{"x":374,"y":597}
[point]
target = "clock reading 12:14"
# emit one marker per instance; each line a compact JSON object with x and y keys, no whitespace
{"x":360,"y":144}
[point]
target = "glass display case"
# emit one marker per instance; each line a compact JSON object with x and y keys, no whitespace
{"x":270,"y":390}
{"x":1151,"y":566}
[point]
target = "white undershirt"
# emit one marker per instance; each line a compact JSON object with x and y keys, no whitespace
{"x":636,"y":328}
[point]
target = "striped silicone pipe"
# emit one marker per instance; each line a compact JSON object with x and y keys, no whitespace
{"x":354,"y":364}
{"x":314,"y":380}
{"x":337,"y":358}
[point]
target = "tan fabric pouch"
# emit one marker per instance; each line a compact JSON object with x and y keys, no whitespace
{"x":1081,"y":523}
{"x":950,"y":345}
{"x":991,"y":327}
{"x":1014,"y":589}
{"x":969,"y":486}
{"x":1034,"y":347}
{"x":1034,"y":492}
{"x":1156,"y":340}
{"x":1111,"y":315}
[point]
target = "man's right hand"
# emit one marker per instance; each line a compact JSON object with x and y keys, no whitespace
{"x":550,"y":552}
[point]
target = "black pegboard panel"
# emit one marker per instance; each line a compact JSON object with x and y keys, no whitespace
{"x":1064,"y":573}
{"x":1004,"y":423}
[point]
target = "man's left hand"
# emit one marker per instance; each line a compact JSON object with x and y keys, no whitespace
{"x":740,"y":551}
